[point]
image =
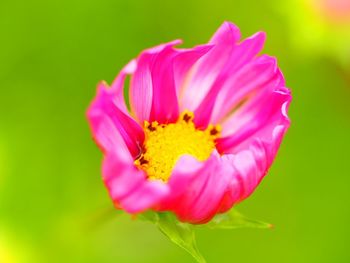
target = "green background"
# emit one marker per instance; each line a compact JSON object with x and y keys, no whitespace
{"x":52,"y":200}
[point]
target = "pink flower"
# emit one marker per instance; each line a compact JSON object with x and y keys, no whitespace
{"x":204,"y":127}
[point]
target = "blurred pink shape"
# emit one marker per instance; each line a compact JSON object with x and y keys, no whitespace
{"x":336,"y":11}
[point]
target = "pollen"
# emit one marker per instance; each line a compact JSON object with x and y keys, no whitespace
{"x":165,"y":143}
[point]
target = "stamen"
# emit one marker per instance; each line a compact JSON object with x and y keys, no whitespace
{"x":166,"y":143}
{"x":187,"y":116}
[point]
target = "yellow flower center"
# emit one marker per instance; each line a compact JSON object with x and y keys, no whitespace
{"x":166,"y":143}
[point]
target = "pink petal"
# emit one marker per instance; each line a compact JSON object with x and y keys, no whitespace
{"x":196,"y":188}
{"x":187,"y":167}
{"x":207,"y":203}
{"x":251,"y":165}
{"x":141,"y":91}
{"x":243,"y":84}
{"x":120,"y":175}
{"x":152,"y":85}
{"x":128,"y":187}
{"x":183,"y":62}
{"x":115,"y":132}
{"x":209,"y":66}
{"x":165,"y":106}
{"x":117,"y":87}
{"x":257,"y":119}
{"x":242,"y":54}
{"x":254,"y":144}
{"x":147,"y":196}
{"x":249,"y":103}
{"x":107,"y":120}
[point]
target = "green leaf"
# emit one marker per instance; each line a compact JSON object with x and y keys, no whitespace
{"x":181,"y":234}
{"x":233,"y":219}
{"x":150,"y":216}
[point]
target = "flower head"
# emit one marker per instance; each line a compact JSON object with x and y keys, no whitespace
{"x":203,"y":127}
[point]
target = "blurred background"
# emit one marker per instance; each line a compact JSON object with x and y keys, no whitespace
{"x":53,"y":205}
